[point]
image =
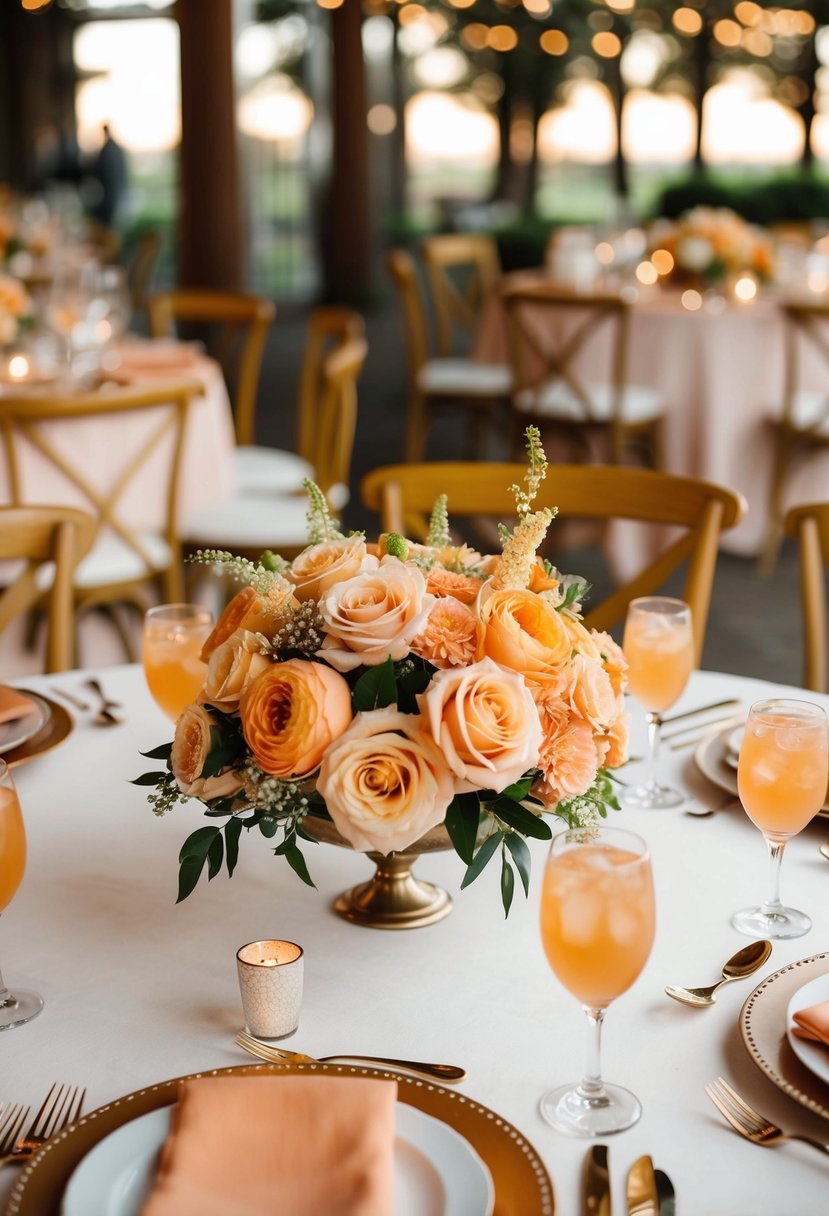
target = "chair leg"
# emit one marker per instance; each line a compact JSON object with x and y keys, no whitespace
{"x":416,"y":425}
{"x":773,"y":539}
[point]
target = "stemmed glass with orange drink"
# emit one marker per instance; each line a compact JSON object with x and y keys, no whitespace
{"x":597,"y":927}
{"x":782,"y":774}
{"x":173,"y":638}
{"x":20,"y":1006}
{"x":659,"y":648}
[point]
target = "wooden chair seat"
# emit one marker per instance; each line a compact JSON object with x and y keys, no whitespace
{"x":464,"y":378}
{"x":634,"y":404}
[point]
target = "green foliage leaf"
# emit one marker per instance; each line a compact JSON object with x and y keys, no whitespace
{"x":375,"y":688}
{"x":521,"y":819}
{"x":233,"y":830}
{"x":296,"y":861}
{"x":507,"y":884}
{"x":519,"y":790}
{"x":194,"y":853}
{"x":268,"y":826}
{"x":409,"y":687}
{"x":162,"y":752}
{"x":215,"y":857}
{"x":481,"y":858}
{"x":521,"y":856}
{"x":224,"y":750}
{"x":149,"y":779}
{"x":463,"y":817}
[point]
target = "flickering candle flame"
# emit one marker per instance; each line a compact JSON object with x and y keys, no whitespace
{"x":19,"y":367}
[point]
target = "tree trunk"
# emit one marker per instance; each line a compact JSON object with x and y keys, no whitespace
{"x":505,"y":171}
{"x":538,"y":106}
{"x":701,"y":84}
{"x":621,"y":183}
{"x":399,"y":170}
{"x":807,"y":70}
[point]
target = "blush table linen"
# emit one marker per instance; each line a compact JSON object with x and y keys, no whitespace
{"x":139,"y":990}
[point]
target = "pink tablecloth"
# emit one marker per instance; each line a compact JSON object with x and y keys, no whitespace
{"x":719,"y":375}
{"x":102,"y":445}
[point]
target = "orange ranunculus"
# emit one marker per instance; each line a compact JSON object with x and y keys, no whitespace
{"x":321,"y":566}
{"x":384,"y":781}
{"x":233,"y":664}
{"x":450,"y":636}
{"x":540,"y":580}
{"x":524,"y":632}
{"x":463,"y":587}
{"x":290,"y":715}
{"x":249,"y":609}
{"x":485,"y":722}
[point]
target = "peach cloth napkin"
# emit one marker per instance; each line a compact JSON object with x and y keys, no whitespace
{"x":157,"y":357}
{"x":287,"y":1145}
{"x":14,"y":704}
{"x":813,"y":1023}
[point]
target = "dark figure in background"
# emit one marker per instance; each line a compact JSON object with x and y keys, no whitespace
{"x":109,"y":169}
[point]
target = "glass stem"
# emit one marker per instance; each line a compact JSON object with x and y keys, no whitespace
{"x":591,"y":1086}
{"x":7,"y":1001}
{"x":772,"y":906}
{"x":654,"y":735}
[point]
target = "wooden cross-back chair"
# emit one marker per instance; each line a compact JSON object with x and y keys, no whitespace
{"x":235,"y":328}
{"x":482,"y":390}
{"x":141,"y":266}
{"x":803,"y":423}
{"x":462,"y":270}
{"x":51,"y":541}
{"x":404,"y":494}
{"x":549,"y":329}
{"x":125,"y":558}
{"x":809,"y":525}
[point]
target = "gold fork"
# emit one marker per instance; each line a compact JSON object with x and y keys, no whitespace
{"x":61,"y":1107}
{"x":280,"y":1055}
{"x":12,"y":1119}
{"x":749,"y":1122}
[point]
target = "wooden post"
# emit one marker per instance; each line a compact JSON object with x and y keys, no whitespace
{"x":210,"y":224}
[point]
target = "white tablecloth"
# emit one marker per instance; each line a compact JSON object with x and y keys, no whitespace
{"x":719,"y":376}
{"x":139,"y":990}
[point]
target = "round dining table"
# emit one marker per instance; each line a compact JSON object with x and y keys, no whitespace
{"x":139,"y":990}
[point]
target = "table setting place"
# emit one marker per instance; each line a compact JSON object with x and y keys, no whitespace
{"x":171,"y":1025}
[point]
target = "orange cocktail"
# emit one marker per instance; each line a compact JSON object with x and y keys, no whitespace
{"x":782,"y":776}
{"x":21,"y":1005}
{"x":173,"y":638}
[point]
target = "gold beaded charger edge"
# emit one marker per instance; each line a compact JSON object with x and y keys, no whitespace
{"x":763,"y":1028}
{"x":522,"y":1184}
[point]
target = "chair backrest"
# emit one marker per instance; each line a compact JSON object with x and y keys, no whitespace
{"x":809,"y":524}
{"x":234,"y":326}
{"x":462,"y":270}
{"x":142,"y":264}
{"x":328,"y":329}
{"x":403,"y":271}
{"x":60,"y":536}
{"x":404,"y":495}
{"x":25,"y":426}
{"x":807,"y":328}
{"x":337,"y":413}
{"x":548,"y":329}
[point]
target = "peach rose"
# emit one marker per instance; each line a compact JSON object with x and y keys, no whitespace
{"x":485,"y":722}
{"x":374,"y":615}
{"x":450,"y":637}
{"x":191,"y":747}
{"x":615,"y":741}
{"x":384,"y":781}
{"x":525,"y":633}
{"x":463,"y":587}
{"x":233,"y":664}
{"x":591,"y":693}
{"x":321,"y":566}
{"x":250,"y":610}
{"x":291,"y":713}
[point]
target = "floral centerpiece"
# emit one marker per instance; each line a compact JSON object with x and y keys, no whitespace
{"x":710,"y":243}
{"x":395,"y":690}
{"x":15,"y":308}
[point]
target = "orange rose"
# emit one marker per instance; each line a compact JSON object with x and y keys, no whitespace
{"x":233,"y":664}
{"x":321,"y":566}
{"x":291,"y":714}
{"x":385,"y":782}
{"x":485,"y":722}
{"x":540,"y":580}
{"x":461,"y":587}
{"x":450,"y":638}
{"x":374,"y":615}
{"x":191,"y":747}
{"x":525,"y":633}
{"x":250,"y":610}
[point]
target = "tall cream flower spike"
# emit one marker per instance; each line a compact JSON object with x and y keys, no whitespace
{"x":520,"y":545}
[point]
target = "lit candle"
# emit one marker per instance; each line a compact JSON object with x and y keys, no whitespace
{"x":19,"y":367}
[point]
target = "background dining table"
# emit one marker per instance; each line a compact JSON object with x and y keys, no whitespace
{"x":139,"y":990}
{"x":719,"y":372}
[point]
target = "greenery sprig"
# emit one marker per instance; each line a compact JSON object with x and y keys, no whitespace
{"x":321,"y":524}
{"x":438,"y":536}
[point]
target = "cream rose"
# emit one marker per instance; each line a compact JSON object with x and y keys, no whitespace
{"x":233,"y":664}
{"x":384,"y":781}
{"x":485,"y":722}
{"x":291,"y":713}
{"x":374,"y":615}
{"x":524,"y":632}
{"x":322,"y":566}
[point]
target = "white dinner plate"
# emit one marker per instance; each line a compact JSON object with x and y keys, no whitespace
{"x":13,"y":733}
{"x":731,"y":744}
{"x":811,"y":1055}
{"x":436,"y":1171}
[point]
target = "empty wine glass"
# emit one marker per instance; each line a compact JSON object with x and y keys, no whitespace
{"x":21,"y":1005}
{"x":782,"y":774}
{"x":659,"y":648}
{"x":173,"y":638}
{"x":597,"y":927}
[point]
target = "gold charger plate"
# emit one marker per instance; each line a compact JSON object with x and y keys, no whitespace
{"x":522,"y":1184}
{"x":763,"y":1027}
{"x":57,"y":727}
{"x":709,"y":758}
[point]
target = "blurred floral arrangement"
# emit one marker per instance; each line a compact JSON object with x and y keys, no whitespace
{"x":15,"y":308}
{"x":710,"y":243}
{"x":397,"y":687}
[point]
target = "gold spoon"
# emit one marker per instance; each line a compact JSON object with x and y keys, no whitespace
{"x":742,"y":964}
{"x":824,"y":851}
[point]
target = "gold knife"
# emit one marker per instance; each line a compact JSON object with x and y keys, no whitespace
{"x":642,"y":1196}
{"x":596,"y":1187}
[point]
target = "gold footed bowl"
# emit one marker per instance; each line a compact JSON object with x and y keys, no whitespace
{"x":393,"y":898}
